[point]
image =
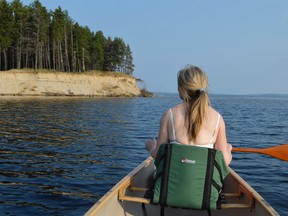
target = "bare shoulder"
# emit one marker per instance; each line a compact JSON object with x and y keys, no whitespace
{"x":179,"y":109}
{"x":178,"y":106}
{"x":165,"y":116}
{"x":212,"y":112}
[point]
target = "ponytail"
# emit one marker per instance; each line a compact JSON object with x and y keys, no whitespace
{"x":196,"y":112}
{"x":192,"y":85}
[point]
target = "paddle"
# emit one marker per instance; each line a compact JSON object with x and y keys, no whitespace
{"x":280,"y":151}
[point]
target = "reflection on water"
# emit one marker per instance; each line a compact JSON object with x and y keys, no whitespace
{"x":60,"y":155}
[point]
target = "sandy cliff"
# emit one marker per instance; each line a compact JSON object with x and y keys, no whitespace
{"x":18,"y":82}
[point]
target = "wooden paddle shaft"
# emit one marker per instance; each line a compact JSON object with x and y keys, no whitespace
{"x":280,"y":151}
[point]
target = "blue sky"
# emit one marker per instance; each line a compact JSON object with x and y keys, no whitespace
{"x":242,"y":45}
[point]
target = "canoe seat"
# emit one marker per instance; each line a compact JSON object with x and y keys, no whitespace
{"x":242,"y":194}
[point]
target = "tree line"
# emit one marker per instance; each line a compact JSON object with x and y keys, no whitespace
{"x":33,"y":37}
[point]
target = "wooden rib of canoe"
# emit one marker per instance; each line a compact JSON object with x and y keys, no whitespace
{"x":126,"y":197}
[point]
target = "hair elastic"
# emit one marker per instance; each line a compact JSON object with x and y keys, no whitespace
{"x":201,"y":90}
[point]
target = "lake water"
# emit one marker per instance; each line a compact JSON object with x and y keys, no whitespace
{"x":60,"y":155}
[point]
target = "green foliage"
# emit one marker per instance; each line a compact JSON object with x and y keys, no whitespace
{"x":6,"y":30}
{"x":33,"y":37}
{"x":6,"y":23}
{"x":128,"y":62}
{"x":58,"y":25}
{"x":118,"y":53}
{"x":97,"y":50}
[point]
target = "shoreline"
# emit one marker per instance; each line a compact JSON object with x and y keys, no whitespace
{"x":29,"y":83}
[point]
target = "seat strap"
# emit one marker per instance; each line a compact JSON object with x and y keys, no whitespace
{"x":208,"y":179}
{"x":162,"y":213}
{"x":144,"y":209}
{"x":164,"y":180}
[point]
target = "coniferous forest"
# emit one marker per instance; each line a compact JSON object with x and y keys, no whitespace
{"x":33,"y":37}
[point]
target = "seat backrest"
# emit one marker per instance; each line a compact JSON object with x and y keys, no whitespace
{"x":188,"y":176}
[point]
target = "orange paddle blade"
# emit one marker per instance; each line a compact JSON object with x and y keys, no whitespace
{"x":280,"y":151}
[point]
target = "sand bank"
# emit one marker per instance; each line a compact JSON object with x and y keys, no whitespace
{"x":45,"y":83}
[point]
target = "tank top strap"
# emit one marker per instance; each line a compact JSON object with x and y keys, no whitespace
{"x":216,"y":127}
{"x":218,"y":121}
{"x":172,"y":126}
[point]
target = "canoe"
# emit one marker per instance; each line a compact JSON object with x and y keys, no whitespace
{"x":126,"y":197}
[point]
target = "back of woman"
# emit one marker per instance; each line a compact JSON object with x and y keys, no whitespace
{"x":194,"y":121}
{"x":208,"y":131}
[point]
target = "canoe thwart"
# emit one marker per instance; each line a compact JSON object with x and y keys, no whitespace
{"x":242,"y":191}
{"x":235,"y":206}
{"x":123,"y":188}
{"x":129,"y":184}
{"x":132,"y":188}
{"x":247,"y":194}
{"x":135,"y":199}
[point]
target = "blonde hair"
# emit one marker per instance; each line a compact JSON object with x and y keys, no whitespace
{"x":192,"y":87}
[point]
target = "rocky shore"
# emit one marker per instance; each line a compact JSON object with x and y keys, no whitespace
{"x":48,"y":83}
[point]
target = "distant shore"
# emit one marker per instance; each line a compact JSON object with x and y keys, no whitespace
{"x":50,"y":83}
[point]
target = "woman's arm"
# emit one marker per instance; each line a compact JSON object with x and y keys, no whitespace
{"x":221,"y":143}
{"x":152,"y":145}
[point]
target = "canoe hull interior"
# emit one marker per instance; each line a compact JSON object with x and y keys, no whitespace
{"x":238,"y":192}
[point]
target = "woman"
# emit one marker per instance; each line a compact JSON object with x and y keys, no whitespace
{"x":194,"y":121}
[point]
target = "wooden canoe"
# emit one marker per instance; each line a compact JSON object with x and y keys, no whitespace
{"x":125,"y":198}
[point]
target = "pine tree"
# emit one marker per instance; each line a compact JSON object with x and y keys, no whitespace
{"x":118,"y":54}
{"x":97,"y":51}
{"x":40,"y":21}
{"x":21,"y":15}
{"x":57,"y":32}
{"x":129,"y":66}
{"x":6,"y":30}
{"x":82,"y":38}
{"x":108,"y":53}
